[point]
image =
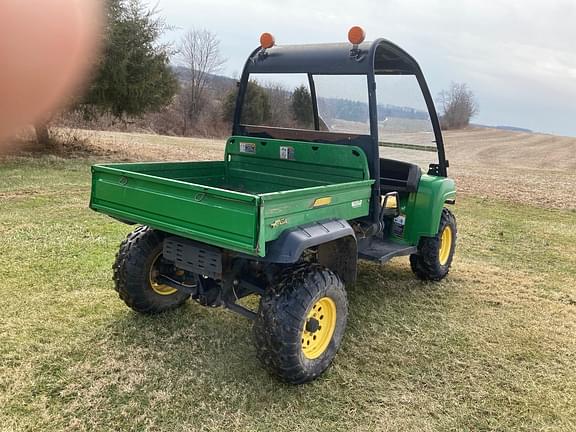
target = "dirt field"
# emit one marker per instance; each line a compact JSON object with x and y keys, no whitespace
{"x":532,"y":168}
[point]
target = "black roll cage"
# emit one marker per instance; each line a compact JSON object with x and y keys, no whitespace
{"x":380,"y":57}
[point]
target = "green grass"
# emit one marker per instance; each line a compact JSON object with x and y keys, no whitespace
{"x":493,"y":347}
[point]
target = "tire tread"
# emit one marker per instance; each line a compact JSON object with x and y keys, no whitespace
{"x":129,"y":280}
{"x":425,"y":264}
{"x":277,"y":329}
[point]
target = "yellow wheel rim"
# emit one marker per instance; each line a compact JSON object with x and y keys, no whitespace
{"x":319,"y":328}
{"x":445,"y":245}
{"x":161,"y":289}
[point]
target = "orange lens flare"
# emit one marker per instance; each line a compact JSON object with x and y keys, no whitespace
{"x":356,"y":35}
{"x":267,"y":40}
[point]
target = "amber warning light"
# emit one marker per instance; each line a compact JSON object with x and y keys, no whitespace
{"x":267,"y":40}
{"x":356,"y":35}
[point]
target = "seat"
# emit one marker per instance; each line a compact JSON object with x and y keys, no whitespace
{"x":399,"y":176}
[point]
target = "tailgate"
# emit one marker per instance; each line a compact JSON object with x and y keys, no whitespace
{"x":215,"y":216}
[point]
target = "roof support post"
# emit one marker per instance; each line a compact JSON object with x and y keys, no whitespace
{"x":314,"y":101}
{"x":374,"y":154}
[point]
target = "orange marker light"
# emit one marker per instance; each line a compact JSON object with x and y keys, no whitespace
{"x":356,"y":35}
{"x":267,"y":40}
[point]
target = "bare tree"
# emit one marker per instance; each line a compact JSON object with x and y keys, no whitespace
{"x":199,"y":54}
{"x":459,"y":105}
{"x":279,"y":98}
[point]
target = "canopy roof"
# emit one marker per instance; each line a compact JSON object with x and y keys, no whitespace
{"x":380,"y":56}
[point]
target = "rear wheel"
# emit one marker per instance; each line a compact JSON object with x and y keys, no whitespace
{"x":435,"y":254}
{"x":301,"y":322}
{"x":138,"y":264}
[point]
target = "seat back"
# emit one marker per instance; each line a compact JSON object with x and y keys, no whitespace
{"x":399,"y":176}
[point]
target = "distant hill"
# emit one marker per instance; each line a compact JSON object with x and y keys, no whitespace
{"x":350,"y":110}
{"x":514,"y":129}
{"x":505,"y":128}
{"x":215,"y":81}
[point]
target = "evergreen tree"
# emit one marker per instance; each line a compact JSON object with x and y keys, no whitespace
{"x":302,"y":107}
{"x":134,"y":75}
{"x":256,"y":109}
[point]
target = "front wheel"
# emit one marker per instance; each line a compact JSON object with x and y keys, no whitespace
{"x":435,"y":254}
{"x":300,"y":323}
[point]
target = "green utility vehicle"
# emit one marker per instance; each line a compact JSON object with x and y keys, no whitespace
{"x":289,"y":210}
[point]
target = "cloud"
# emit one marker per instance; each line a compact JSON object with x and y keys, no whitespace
{"x":519,"y":56}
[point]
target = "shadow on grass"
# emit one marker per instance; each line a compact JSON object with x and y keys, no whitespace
{"x":217,"y":345}
{"x":197,"y":366}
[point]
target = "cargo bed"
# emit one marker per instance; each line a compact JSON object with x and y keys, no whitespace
{"x":262,"y":188}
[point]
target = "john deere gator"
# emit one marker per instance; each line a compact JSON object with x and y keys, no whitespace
{"x":288,"y":212}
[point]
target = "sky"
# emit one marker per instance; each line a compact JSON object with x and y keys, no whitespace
{"x":518,"y":56}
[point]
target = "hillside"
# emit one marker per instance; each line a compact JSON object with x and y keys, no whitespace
{"x":520,"y":167}
{"x":510,"y":149}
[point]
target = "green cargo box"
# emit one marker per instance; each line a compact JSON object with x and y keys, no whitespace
{"x":262,"y":188}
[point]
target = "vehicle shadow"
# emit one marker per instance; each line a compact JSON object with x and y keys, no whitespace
{"x":220,"y":343}
{"x":195,"y":357}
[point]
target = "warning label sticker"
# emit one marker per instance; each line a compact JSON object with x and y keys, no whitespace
{"x":287,"y":153}
{"x":246,"y":147}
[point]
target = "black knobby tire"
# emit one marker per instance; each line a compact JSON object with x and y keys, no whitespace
{"x":137,"y":253}
{"x":426,"y":263}
{"x":284,"y":311}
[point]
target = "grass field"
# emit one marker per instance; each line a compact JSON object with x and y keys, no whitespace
{"x":493,"y":347}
